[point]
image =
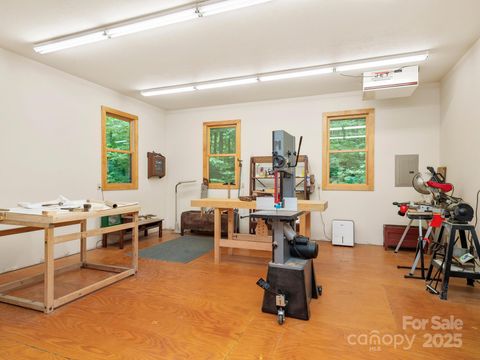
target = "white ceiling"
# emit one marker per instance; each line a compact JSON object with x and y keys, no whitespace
{"x":273,"y":36}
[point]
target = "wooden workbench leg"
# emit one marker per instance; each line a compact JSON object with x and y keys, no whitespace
{"x":230,"y":229}
{"x":305,"y":221}
{"x":48,"y":277}
{"x":135,"y":242}
{"x":308,"y":224}
{"x":217,"y":233}
{"x":83,"y":242}
{"x":303,"y":225}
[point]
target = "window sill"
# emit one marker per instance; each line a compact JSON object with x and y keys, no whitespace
{"x":348,"y":187}
{"x":113,"y":187}
{"x":221,"y":186}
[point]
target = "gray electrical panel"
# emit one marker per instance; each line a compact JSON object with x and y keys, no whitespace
{"x":406,"y":166}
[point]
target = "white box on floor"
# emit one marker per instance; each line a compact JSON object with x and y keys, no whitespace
{"x":343,"y":232}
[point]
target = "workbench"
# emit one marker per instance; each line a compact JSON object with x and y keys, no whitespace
{"x":48,"y":221}
{"x":248,"y":241}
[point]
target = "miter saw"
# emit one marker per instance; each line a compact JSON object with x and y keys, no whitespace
{"x":453,"y":208}
{"x":440,"y":207}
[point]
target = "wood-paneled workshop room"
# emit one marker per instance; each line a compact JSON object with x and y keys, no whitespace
{"x":239,"y":179}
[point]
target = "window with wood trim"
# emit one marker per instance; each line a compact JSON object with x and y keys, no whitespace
{"x":221,"y":153}
{"x":348,"y":144}
{"x":119,"y":150}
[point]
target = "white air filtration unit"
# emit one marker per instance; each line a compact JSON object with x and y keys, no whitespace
{"x":387,"y":84}
{"x":343,"y":232}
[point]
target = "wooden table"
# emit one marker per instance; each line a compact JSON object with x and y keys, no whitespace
{"x":48,"y":221}
{"x":247,"y":241}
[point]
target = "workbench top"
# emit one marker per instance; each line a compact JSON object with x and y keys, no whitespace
{"x":303,"y":205}
{"x":46,"y":218}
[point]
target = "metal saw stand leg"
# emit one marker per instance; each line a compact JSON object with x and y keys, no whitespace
{"x":419,"y":254}
{"x":404,"y":235}
{"x":420,"y":257}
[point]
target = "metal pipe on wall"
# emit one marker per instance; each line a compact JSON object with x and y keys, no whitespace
{"x":177,"y":228}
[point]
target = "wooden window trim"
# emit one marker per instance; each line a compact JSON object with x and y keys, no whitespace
{"x":133,"y":119}
{"x":206,"y":150}
{"x":369,"y":115}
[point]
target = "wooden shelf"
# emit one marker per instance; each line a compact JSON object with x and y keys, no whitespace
{"x":271,"y":177}
{"x":256,"y":181}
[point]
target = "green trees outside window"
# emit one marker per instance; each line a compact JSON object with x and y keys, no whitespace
{"x":119,"y":164}
{"x":119,"y":154}
{"x":348,"y":165}
{"x":222,"y":150}
{"x":348,"y":150}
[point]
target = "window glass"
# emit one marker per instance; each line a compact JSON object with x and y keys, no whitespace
{"x":118,"y":134}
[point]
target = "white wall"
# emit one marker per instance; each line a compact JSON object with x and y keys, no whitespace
{"x":403,"y":126}
{"x":50,"y":144}
{"x":460,"y":124}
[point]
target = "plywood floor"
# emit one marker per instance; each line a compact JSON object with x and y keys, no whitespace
{"x":202,"y":311}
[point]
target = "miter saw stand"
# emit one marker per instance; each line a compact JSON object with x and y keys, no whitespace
{"x":425,"y":216}
{"x":419,"y":212}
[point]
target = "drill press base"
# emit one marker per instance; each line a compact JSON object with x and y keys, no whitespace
{"x":296,"y":280}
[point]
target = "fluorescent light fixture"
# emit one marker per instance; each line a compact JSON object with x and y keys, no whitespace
{"x":295,"y":74}
{"x":166,"y":91}
{"x":147,"y":22}
{"x":70,"y":42}
{"x":152,"y":23}
{"x":219,"y":84}
{"x":286,"y":74}
{"x":383,"y":62}
{"x":228,"y":5}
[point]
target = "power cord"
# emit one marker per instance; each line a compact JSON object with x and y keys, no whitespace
{"x":323,"y":221}
{"x":324,"y":228}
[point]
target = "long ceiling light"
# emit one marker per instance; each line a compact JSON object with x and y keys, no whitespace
{"x":70,"y":42}
{"x":152,"y":21}
{"x":220,"y":84}
{"x":295,"y":74}
{"x":383,"y":62}
{"x":288,"y":74}
{"x":170,"y":90}
{"x":223,"y":6}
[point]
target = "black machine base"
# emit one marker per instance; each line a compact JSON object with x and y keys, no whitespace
{"x":296,"y":280}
